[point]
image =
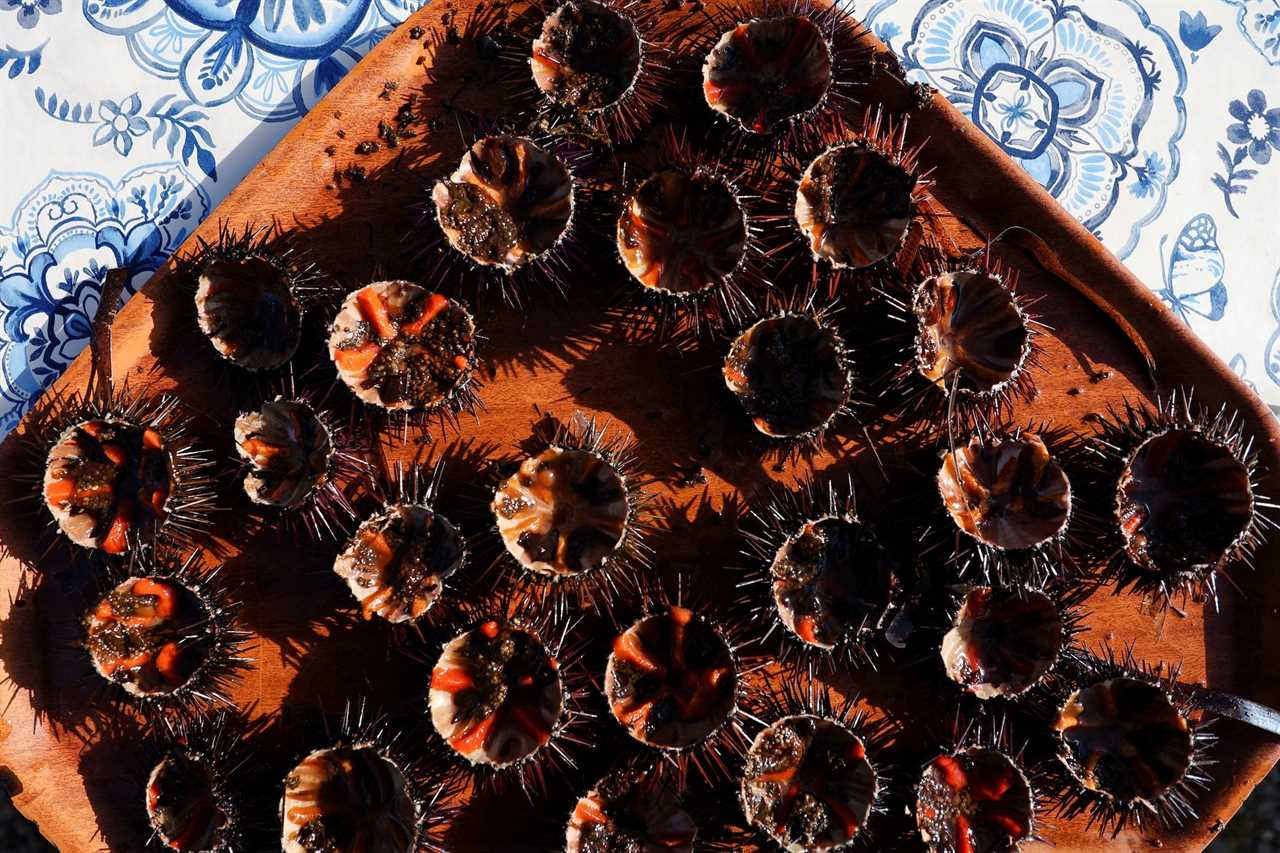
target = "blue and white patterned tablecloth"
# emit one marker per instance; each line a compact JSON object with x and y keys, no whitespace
{"x":1155,"y":122}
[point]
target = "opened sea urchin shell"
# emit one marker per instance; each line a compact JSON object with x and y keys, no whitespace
{"x":248,"y":311}
{"x":854,"y":205}
{"x":397,"y":562}
{"x":630,"y":810}
{"x":671,"y":679}
{"x":682,"y":233}
{"x":790,"y":374}
{"x":496,"y":694}
{"x":508,"y":203}
{"x":288,"y":449}
{"x":587,"y":56}
{"x":106,"y":477}
{"x":808,"y":784}
{"x":766,"y":72}
{"x":563,"y":513}
{"x":348,"y":798}
{"x":399,"y":346}
{"x":975,"y":800}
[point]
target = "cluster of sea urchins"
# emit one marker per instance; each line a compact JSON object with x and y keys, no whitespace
{"x":505,"y":689}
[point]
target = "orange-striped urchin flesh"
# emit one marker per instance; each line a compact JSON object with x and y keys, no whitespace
{"x":854,"y":205}
{"x":791,"y":374}
{"x":971,"y":333}
{"x":631,"y":810}
{"x":1003,"y":641}
{"x":398,"y":561}
{"x":401,"y":347}
{"x":151,"y":635}
{"x":808,"y":784}
{"x":289,"y":452}
{"x":587,"y":56}
{"x":1007,"y":492}
{"x":348,"y":798}
{"x":682,"y":232}
{"x":508,"y":203}
{"x":671,"y":679}
{"x":247,"y":309}
{"x":831,"y":582}
{"x":977,"y":800}
{"x":766,"y":72}
{"x":164,"y":631}
{"x":496,"y":696}
{"x":1125,"y":739}
{"x":105,"y":478}
{"x":564,"y":513}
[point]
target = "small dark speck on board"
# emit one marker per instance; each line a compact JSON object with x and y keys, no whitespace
{"x":415,"y":33}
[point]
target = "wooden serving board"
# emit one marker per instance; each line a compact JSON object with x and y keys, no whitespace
{"x":560,"y":355}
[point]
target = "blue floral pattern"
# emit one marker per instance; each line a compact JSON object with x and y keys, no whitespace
{"x":1259,"y":23}
{"x":173,"y":121}
{"x":1196,"y":32}
{"x":272,"y":58}
{"x":1080,"y":104}
{"x":1087,"y":94}
{"x":29,"y":11}
{"x":1255,"y":132}
{"x":53,"y":256}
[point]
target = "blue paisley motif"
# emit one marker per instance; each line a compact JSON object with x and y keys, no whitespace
{"x":1259,"y":23}
{"x":54,"y":255}
{"x":1066,"y":95}
{"x":272,"y":58}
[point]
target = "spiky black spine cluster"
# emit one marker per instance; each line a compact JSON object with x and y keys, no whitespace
{"x":186,"y":523}
{"x":1118,"y":435}
{"x":269,"y":242}
{"x":1064,"y":555}
{"x":564,"y":642}
{"x":1174,"y":807}
{"x":208,"y":689}
{"x":770,"y":526}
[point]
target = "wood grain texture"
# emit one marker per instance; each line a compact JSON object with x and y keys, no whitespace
{"x":557,"y":354}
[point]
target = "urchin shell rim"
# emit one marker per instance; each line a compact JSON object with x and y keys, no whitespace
{"x":820,"y":317}
{"x":462,"y":397}
{"x":224,"y":666}
{"x":268,"y":242}
{"x":533,"y":260}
